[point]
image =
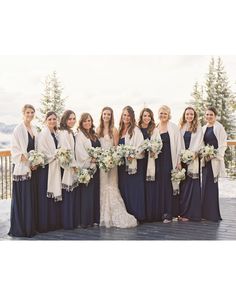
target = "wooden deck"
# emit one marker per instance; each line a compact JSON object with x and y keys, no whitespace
{"x":205,"y":230}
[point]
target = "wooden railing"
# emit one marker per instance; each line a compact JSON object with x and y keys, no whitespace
{"x":5,"y":175}
{"x":6,"y":169}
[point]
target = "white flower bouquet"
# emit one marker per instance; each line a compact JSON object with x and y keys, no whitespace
{"x":36,"y":158}
{"x":107,"y":159}
{"x":95,"y":152}
{"x":64,"y":156}
{"x":187,"y":156}
{"x":176,"y":177}
{"x":118,"y":155}
{"x":208,"y":152}
{"x":152,"y":145}
{"x":84,"y":176}
{"x":130,"y":155}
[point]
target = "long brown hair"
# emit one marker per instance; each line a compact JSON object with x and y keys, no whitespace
{"x":91,"y":134}
{"x":111,"y":123}
{"x":130,"y":110}
{"x":64,"y":119}
{"x":151,"y":125}
{"x":194,"y":123}
{"x":50,"y":113}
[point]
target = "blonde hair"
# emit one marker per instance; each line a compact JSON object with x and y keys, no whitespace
{"x":27,"y":106}
{"x":166,"y":109}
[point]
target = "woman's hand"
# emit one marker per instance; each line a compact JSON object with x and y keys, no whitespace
{"x":33,"y":168}
{"x":153,"y":155}
{"x":93,"y":160}
{"x":74,"y":169}
{"x":178,"y":166}
{"x":23,"y":158}
{"x":130,"y":159}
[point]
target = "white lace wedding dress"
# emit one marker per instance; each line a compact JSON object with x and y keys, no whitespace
{"x":112,"y":208}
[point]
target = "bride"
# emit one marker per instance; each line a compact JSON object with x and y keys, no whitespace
{"x":112,"y":207}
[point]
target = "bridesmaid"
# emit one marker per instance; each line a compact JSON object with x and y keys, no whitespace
{"x":24,"y":194}
{"x":132,"y":185}
{"x":168,"y":159}
{"x":148,"y":128}
{"x":49,"y":177}
{"x":213,"y":168}
{"x":190,"y":191}
{"x":90,"y":194}
{"x":70,"y":194}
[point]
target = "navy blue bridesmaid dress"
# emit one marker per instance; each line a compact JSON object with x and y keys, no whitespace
{"x":165,"y":190}
{"x":190,"y":191}
{"x":90,"y":198}
{"x":132,"y":189}
{"x":24,"y":203}
{"x":151,"y":188}
{"x":49,"y":211}
{"x":210,"y":191}
{"x":68,"y":207}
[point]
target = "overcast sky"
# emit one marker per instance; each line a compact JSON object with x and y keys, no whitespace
{"x":91,"y":82}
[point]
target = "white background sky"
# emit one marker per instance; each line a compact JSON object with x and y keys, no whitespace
{"x":92,"y":82}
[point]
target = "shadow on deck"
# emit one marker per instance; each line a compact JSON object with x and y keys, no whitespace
{"x":205,"y":230}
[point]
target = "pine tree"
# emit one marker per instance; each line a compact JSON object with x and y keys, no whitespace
{"x":198,"y":102}
{"x":210,"y":84}
{"x":217,"y":93}
{"x":224,"y":102}
{"x":52,"y":99}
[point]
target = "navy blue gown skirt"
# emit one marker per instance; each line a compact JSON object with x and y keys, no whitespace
{"x":90,"y":198}
{"x":132,"y":189}
{"x":96,"y":179}
{"x":151,"y":188}
{"x":210,"y":190}
{"x":167,"y":204}
{"x":87,"y":204}
{"x":68,"y":209}
{"x":24,"y":203}
{"x":190,"y":191}
{"x":49,"y":211}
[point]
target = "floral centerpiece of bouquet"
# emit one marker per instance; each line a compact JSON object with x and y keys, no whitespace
{"x":107,"y":159}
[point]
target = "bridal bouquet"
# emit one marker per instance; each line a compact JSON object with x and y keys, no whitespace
{"x":64,"y":156}
{"x":187,"y":156}
{"x":84,"y":176}
{"x":152,"y":145}
{"x":106,"y":160}
{"x":208,"y":152}
{"x":95,"y":152}
{"x":36,"y":158}
{"x":176,"y":177}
